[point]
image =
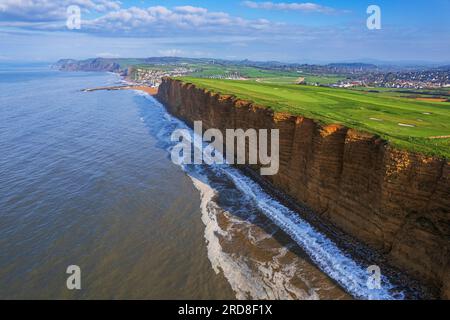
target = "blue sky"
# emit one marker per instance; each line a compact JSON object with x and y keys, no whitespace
{"x":310,"y":32}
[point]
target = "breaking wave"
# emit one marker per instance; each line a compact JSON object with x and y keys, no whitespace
{"x":250,"y":278}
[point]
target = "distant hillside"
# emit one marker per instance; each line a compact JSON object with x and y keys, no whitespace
{"x":367,"y":73}
{"x":117,"y":64}
{"x":98,"y":64}
{"x":361,"y":66}
{"x":447,"y":67}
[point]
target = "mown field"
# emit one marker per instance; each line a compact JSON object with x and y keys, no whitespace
{"x":407,"y":123}
{"x":261,"y":75}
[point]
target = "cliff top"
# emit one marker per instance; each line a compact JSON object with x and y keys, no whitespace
{"x":415,"y":125}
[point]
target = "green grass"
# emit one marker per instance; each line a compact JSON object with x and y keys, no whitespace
{"x":253,"y":73}
{"x":378,"y":113}
{"x":309,"y":79}
{"x":440,"y":93}
{"x":322,"y":79}
{"x":209,"y":70}
{"x":262,"y":75}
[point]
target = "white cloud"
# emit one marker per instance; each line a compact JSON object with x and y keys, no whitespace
{"x":153,"y":20}
{"x":191,"y":9}
{"x":97,"y":5}
{"x":306,"y":6}
{"x":171,"y":52}
{"x":107,"y":55}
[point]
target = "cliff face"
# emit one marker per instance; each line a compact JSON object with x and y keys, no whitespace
{"x":395,"y":201}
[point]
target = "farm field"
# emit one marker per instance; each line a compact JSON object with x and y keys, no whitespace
{"x":436,"y":94}
{"x":258,"y":74}
{"x":210,"y":70}
{"x":420,"y":126}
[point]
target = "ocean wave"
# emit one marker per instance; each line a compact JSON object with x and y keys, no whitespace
{"x":272,"y":281}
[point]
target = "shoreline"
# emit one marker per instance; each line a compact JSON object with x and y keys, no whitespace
{"x":358,"y":249}
{"x":150,"y":90}
{"x":363,"y":254}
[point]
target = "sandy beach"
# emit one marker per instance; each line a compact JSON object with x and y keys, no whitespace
{"x":150,"y":90}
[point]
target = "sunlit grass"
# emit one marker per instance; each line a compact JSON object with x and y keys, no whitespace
{"x":406,"y":123}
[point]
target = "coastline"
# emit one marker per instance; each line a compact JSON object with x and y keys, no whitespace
{"x":352,"y":243}
{"x":349,"y":179}
{"x":150,"y":90}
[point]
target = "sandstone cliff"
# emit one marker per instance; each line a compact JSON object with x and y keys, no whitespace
{"x":395,"y":201}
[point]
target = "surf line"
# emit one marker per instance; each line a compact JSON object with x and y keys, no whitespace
{"x":235,"y":144}
{"x":338,"y":265}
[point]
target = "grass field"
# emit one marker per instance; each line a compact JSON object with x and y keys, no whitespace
{"x":205,"y":70}
{"x":435,"y":93}
{"x":407,"y":123}
{"x":262,"y":75}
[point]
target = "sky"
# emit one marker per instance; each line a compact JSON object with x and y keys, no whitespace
{"x":290,"y":31}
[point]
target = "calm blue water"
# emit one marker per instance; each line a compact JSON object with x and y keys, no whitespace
{"x":86,"y":179}
{"x":82,"y":182}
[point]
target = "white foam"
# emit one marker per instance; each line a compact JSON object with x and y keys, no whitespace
{"x":273,"y":279}
{"x":141,"y":93}
{"x":326,"y":255}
